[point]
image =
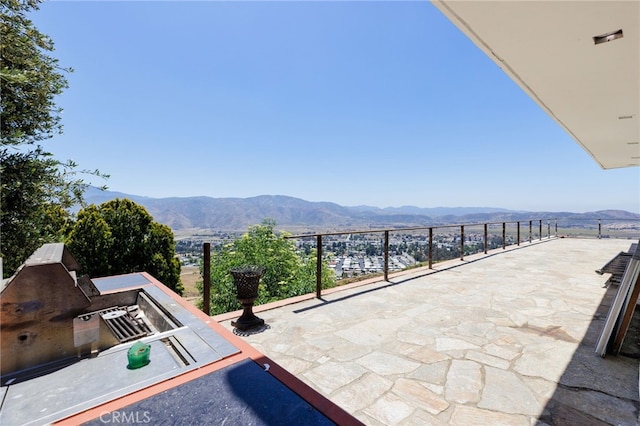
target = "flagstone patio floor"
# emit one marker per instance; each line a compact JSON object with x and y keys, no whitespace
{"x":506,"y":338}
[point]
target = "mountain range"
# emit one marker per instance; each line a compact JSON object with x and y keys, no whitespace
{"x":236,"y":214}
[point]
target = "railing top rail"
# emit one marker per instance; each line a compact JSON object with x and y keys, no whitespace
{"x":624,"y":219}
{"x":414,"y":228}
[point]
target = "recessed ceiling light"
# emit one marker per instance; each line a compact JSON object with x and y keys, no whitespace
{"x":607,"y":37}
{"x":624,"y":117}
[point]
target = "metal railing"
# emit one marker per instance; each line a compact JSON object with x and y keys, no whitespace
{"x":505,"y":233}
{"x":529,"y":235}
{"x":598,"y":228}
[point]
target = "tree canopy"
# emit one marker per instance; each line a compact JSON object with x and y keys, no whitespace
{"x":120,"y":237}
{"x":36,"y":190}
{"x":30,"y":77}
{"x":287,"y":273}
{"x":28,"y":218}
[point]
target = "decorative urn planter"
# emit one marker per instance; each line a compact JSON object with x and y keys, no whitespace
{"x":247,"y":278}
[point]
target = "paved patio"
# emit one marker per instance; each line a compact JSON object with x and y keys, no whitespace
{"x":500,"y":339}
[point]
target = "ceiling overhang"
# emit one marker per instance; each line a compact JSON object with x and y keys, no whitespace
{"x":548,"y":48}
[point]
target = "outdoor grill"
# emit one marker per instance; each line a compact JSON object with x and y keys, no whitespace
{"x":127,"y":323}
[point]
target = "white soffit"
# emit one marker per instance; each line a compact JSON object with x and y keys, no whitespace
{"x":547,"y":48}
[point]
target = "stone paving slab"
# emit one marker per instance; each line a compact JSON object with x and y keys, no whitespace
{"x":501,"y":339}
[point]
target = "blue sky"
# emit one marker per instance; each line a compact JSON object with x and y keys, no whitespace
{"x":377,"y":103}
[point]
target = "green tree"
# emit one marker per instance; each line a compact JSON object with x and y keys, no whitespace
{"x":162,"y":262}
{"x":305,"y":281}
{"x":120,"y":237}
{"x":37,"y":190}
{"x":130,"y":226}
{"x":287,"y":274}
{"x":31,"y":78}
{"x":91,"y":241}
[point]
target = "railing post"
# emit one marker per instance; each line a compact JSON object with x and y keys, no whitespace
{"x":206,"y":277}
{"x":461,"y":242}
{"x":599,"y":228}
{"x":548,"y":229}
{"x":430,"y":248}
{"x":518,"y":232}
{"x":485,"y":238}
{"x":386,"y":255}
{"x":556,"y":220}
{"x":530,"y":230}
{"x":319,"y":267}
{"x":504,"y":235}
{"x":540,"y":230}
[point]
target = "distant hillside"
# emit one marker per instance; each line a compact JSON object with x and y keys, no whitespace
{"x":236,"y":214}
{"x":430,"y":211}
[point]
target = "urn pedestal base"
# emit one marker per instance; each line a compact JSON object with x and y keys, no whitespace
{"x":248,"y":319}
{"x":247,"y":280}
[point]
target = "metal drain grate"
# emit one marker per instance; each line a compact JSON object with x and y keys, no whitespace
{"x":124,"y":325}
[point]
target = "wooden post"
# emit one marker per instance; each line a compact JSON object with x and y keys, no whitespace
{"x":461,"y":242}
{"x":319,"y":267}
{"x":386,"y":255}
{"x":504,"y":235}
{"x":599,"y":228}
{"x":430,"y":248}
{"x":485,"y":238}
{"x":206,"y":284}
{"x":540,"y":229}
